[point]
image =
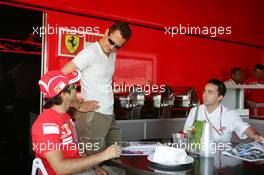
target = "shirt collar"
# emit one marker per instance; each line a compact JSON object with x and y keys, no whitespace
{"x":102,"y":51}
{"x":215,"y":112}
{"x":233,"y":82}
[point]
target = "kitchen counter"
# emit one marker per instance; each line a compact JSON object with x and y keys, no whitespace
{"x":143,"y":129}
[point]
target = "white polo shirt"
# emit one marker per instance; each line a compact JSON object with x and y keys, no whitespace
{"x":97,"y":71}
{"x":230,"y":82}
{"x":230,"y":122}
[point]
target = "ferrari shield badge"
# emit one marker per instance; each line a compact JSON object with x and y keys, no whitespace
{"x":72,"y":42}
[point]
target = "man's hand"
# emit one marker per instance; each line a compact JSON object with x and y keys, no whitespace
{"x":113,"y":151}
{"x":251,"y":104}
{"x":258,"y":138}
{"x":100,"y":171}
{"x":88,"y":106}
{"x":76,"y":103}
{"x":253,"y":134}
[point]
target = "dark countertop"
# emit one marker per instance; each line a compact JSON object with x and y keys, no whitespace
{"x":219,"y":165}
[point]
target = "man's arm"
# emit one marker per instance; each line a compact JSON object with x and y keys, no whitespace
{"x":189,"y":121}
{"x":70,"y":166}
{"x":253,"y":134}
{"x":69,"y":67}
{"x":83,"y":106}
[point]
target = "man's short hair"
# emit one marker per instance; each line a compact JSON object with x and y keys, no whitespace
{"x":259,"y":67}
{"x":123,"y":28}
{"x":235,"y":69}
{"x":221,"y":86}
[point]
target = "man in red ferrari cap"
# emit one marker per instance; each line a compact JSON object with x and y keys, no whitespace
{"x":53,"y":135}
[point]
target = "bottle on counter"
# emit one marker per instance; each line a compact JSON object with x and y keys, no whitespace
{"x":206,"y":141}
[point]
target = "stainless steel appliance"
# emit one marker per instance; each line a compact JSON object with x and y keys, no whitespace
{"x":163,"y":101}
{"x":185,"y":97}
{"x":168,"y":102}
{"x":130,"y":103}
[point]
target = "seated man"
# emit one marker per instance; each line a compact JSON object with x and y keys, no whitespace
{"x":254,"y":98}
{"x":222,"y":120}
{"x":53,"y":135}
{"x":236,"y":77}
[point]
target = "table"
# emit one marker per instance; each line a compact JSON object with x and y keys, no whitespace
{"x":219,"y":165}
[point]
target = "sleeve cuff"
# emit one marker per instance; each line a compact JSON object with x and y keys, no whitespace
{"x":241,"y":131}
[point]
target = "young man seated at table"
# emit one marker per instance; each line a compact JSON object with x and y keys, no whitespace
{"x":53,"y":135}
{"x":222,"y":121}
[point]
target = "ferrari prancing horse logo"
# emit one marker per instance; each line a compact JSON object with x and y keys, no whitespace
{"x":72,"y":42}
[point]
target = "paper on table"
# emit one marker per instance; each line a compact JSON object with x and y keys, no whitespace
{"x":138,"y":148}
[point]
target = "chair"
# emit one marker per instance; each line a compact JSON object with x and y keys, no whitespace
{"x":37,"y":164}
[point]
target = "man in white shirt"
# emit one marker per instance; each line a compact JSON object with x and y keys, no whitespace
{"x":97,"y":64}
{"x":222,"y":120}
{"x":236,"y":77}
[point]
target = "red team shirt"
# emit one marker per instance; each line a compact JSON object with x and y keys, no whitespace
{"x":54,"y":131}
{"x":256,"y":95}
